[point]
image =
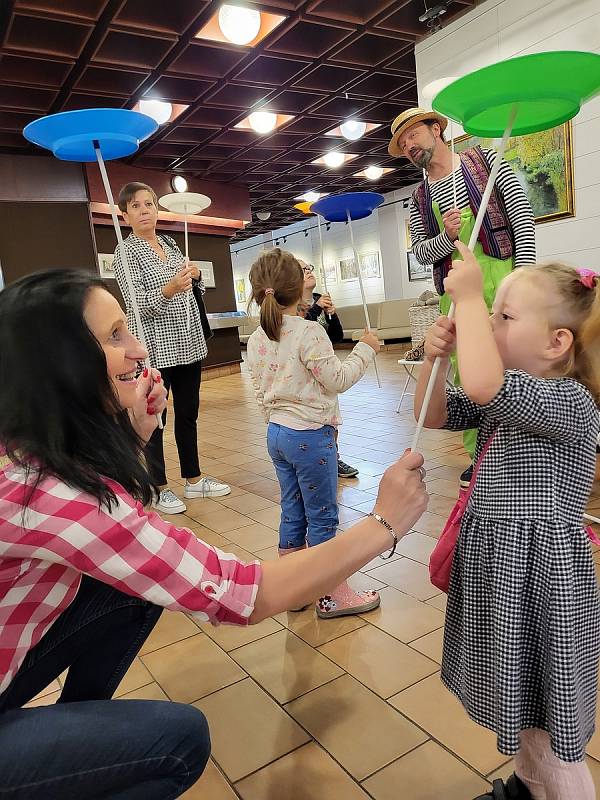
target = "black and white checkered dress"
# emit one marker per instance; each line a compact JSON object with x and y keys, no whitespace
{"x":522,"y":635}
{"x":167,"y":338}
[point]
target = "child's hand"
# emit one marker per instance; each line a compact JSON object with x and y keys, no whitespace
{"x":440,"y":340}
{"x":371,"y":339}
{"x":465,"y":279}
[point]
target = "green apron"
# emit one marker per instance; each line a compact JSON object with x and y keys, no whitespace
{"x":494,"y":271}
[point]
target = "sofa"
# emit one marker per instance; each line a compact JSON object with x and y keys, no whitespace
{"x":389,"y":319}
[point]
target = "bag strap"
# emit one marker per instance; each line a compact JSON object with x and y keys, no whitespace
{"x":482,"y":455}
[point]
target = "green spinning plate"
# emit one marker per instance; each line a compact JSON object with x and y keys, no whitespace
{"x":547,"y":88}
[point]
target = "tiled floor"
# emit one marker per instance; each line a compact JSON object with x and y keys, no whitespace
{"x":302,"y":709}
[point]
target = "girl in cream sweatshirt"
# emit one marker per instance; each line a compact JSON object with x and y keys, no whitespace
{"x":297,"y":378}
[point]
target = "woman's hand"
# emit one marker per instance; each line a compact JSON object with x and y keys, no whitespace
{"x":465,"y":279}
{"x":402,"y":496}
{"x":440,"y":340}
{"x":196,"y":274}
{"x":151,"y":399}
{"x":325,"y":303}
{"x":182,"y":282}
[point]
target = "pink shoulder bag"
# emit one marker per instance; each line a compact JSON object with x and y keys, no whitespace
{"x":440,"y":561}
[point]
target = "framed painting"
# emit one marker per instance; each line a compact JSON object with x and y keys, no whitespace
{"x":369,"y":265}
{"x":208,"y":273}
{"x":543,"y":163}
{"x":106,"y":265}
{"x":416,"y":270}
{"x":348,"y":269}
{"x":240,"y":290}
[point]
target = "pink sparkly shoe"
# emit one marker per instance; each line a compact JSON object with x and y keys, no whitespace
{"x":345,"y":602}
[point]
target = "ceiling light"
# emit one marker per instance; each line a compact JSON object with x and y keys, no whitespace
{"x":159,"y":110}
{"x":263,"y":216}
{"x":239,"y":25}
{"x":311,"y":197}
{"x":333,"y":159}
{"x":353,"y":129}
{"x":262,"y":121}
{"x":179,"y":183}
{"x":373,"y":173}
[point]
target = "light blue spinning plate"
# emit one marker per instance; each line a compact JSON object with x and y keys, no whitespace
{"x":336,"y":207}
{"x":71,"y":135}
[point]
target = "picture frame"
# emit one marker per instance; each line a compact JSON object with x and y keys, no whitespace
{"x":370,"y":265}
{"x":416,"y":270}
{"x":348,"y":269}
{"x":240,"y":290}
{"x":208,"y":273}
{"x":330,"y":273}
{"x":106,"y":266}
{"x":543,"y":163}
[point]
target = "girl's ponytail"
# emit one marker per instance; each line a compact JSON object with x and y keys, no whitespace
{"x":277,"y":281}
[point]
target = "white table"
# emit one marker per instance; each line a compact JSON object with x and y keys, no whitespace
{"x":409,"y":368}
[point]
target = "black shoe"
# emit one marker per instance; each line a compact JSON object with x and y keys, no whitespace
{"x":465,"y":478}
{"x":513,"y":789}
{"x":345,"y":470}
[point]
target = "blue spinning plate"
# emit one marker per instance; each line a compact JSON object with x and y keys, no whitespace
{"x":71,"y":134}
{"x":360,"y":205}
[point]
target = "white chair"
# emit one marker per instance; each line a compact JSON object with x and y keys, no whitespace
{"x":409,"y":367}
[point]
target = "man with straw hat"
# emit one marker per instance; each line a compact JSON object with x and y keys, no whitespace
{"x":444,"y":206}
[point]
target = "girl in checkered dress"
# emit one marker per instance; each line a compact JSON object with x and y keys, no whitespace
{"x":522,"y":632}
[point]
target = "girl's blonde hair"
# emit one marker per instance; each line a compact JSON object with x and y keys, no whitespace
{"x":578,"y":310}
{"x":277,"y":282}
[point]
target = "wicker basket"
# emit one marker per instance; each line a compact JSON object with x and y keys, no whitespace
{"x":421,"y":318}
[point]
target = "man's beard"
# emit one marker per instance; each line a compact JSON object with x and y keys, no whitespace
{"x":423,"y":157}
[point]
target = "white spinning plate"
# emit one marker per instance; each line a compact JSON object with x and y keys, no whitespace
{"x":185,"y":202}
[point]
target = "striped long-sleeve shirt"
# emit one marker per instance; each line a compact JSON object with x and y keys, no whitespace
{"x":518,"y":209}
{"x":62,"y":534}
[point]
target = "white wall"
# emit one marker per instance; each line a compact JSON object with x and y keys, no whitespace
{"x":501,"y":29}
{"x":384,"y":231}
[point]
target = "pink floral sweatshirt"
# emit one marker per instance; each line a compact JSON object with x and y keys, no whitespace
{"x":297,"y":380}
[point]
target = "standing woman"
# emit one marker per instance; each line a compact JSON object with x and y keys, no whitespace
{"x":162,"y":279}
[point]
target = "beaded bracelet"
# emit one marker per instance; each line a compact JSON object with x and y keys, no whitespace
{"x":392,"y":532}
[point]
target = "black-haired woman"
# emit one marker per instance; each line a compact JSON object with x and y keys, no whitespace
{"x":85,"y":570}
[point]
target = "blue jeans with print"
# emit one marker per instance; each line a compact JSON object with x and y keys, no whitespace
{"x":306,"y":466}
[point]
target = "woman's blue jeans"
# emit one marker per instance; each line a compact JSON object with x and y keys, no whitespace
{"x":88,"y":747}
{"x":306,"y":466}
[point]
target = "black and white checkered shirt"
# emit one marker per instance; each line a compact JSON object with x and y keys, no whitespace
{"x":522,"y":636}
{"x":165,"y":321}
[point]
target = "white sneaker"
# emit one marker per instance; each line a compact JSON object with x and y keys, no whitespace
{"x":206,"y":487}
{"x":168,"y":503}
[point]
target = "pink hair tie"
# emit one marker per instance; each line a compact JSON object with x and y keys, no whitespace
{"x":587,"y":277}
{"x":270,"y":291}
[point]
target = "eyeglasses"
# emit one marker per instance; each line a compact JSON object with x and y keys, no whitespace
{"x":308,"y":269}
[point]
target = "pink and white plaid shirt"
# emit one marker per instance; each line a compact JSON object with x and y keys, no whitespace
{"x":64,"y":535}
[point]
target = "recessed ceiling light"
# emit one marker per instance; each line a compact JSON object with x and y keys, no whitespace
{"x":239,"y":25}
{"x":333,"y":159}
{"x":262,"y":121}
{"x":179,"y":183}
{"x":353,"y":129}
{"x":159,"y":110}
{"x":373,"y":173}
{"x":311,"y":197}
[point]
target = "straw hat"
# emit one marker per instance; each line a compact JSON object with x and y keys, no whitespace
{"x":410,"y":117}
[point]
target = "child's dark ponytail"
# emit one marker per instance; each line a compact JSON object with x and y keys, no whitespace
{"x":277,"y":282}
